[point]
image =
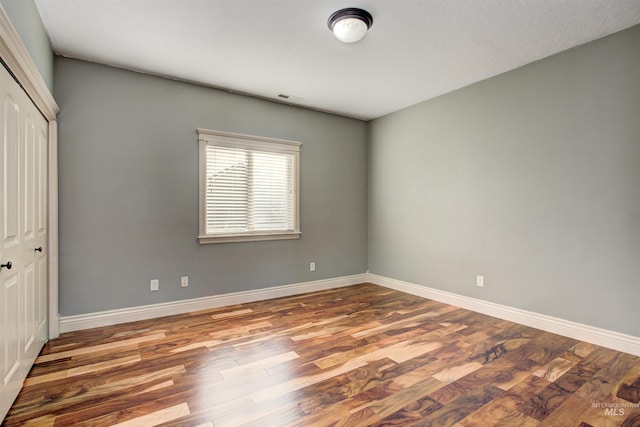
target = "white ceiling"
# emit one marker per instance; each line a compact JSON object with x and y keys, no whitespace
{"x":415,"y":50}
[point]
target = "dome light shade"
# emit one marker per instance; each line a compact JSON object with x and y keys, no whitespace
{"x":350,"y":25}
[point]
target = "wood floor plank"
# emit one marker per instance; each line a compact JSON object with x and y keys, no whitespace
{"x":501,"y":411}
{"x":302,"y":382}
{"x":629,"y":386}
{"x":247,"y":369}
{"x":97,"y":348}
{"x":449,"y":375}
{"x":80,"y":370}
{"x":462,"y":407}
{"x":601,"y":385}
{"x":360,"y":355}
{"x":545,"y":402}
{"x":231,"y":314}
{"x":379,"y":409}
{"x":157,"y":417}
{"x":342,"y":357}
{"x":554,"y":369}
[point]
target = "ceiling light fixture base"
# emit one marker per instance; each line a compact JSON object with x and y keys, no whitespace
{"x":350,"y":25}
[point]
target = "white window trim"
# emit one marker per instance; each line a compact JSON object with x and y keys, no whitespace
{"x":206,"y":136}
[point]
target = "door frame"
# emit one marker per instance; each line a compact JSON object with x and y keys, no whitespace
{"x":16,"y":58}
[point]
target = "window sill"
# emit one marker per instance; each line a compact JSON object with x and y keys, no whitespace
{"x":258,"y":237}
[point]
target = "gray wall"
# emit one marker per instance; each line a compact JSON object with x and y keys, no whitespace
{"x":128,"y":163}
{"x":531,"y":178}
{"x":25,"y":18}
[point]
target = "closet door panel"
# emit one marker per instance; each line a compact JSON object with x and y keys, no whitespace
{"x":23,"y":236}
{"x":11,"y":249}
{"x":28,"y":200}
{"x":40,"y":249}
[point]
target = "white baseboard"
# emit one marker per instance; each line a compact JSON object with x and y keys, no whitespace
{"x":598,"y":336}
{"x":610,"y":339}
{"x":131,"y":314}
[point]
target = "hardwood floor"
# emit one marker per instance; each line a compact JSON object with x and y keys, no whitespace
{"x":357,"y":356}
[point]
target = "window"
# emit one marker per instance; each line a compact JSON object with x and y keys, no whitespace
{"x":249,"y":188}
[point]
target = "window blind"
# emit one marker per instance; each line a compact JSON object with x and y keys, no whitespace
{"x":249,"y":190}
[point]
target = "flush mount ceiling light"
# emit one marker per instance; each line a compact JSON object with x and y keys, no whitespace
{"x":350,"y":25}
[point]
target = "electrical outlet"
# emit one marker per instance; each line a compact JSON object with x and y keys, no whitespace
{"x":154,"y":285}
{"x":184,"y":281}
{"x":480,"y":281}
{"x":312,"y":266}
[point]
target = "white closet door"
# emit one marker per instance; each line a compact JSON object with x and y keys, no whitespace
{"x":23,"y":235}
